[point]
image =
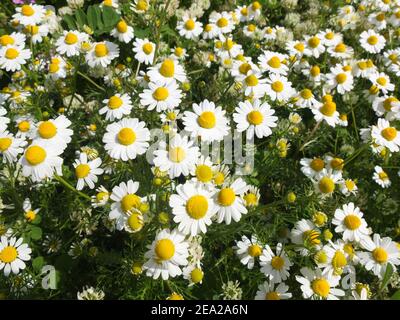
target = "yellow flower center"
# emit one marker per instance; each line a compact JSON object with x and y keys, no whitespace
{"x":374,"y":90}
{"x":341,"y":48}
{"x":122,"y":26}
{"x":12,"y":53}
{"x":27,"y":11}
{"x":196,"y":275}
{"x":147,"y":48}
{"x":5,"y":143}
{"x":321,"y":287}
{"x":177,"y":154}
{"x":130,"y":201}
{"x":228,"y":44}
{"x":329,"y":35}
{"x":222,"y":22}
{"x":337,"y":163}
{"x":274,"y":62}
{"x":251,"y":199}
{"x":255,"y":117}
{"x":326,"y":185}
{"x":30,"y":215}
{"x":135,"y":221}
{"x":35,"y":155}
{"x":321,"y":257}
{"x":141,"y":5}
{"x":380,"y":17}
{"x":382,"y":81}
{"x":277,"y":86}
{"x":167,"y":68}
{"x":315,"y":71}
{"x":126,"y":136}
{"x":328,"y":108}
{"x":115,"y":102}
{"x":190,"y":24}
{"x":349,"y":184}
{"x":160,"y":94}
{"x":251,"y":80}
{"x":317,"y":164}
{"x":387,"y":104}
{"x":277,"y":263}
{"x":100,"y":50}
{"x":244,"y":68}
{"x":197,"y":206}
{"x":47,"y":130}
{"x":24,"y":126}
{"x":339,"y":260}
{"x":71,"y":38}
{"x":380,"y":255}
{"x":254,"y":250}
{"x":306,"y":94}
{"x":273,"y":295}
{"x":204,"y":173}
{"x":226,"y":197}
{"x":314,"y":42}
{"x":383,"y":175}
{"x":54,"y":67}
{"x":341,"y":78}
{"x":82,"y":171}
{"x":389,"y":133}
{"x":101,"y":196}
{"x":6,"y":40}
{"x":251,"y":27}
{"x":32,"y":29}
{"x":372,"y":40}
{"x":299,"y":46}
{"x":207,"y":120}
{"x":219,"y":178}
{"x":208,"y":28}
{"x":8,"y":254}
{"x":107,"y":3}
{"x":178,"y":51}
{"x":256,"y":5}
{"x":165,"y":249}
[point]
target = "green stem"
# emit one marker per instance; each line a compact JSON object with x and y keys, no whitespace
{"x":91,"y":81}
{"x":70,"y":187}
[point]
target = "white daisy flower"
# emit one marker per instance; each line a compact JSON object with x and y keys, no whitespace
{"x":10,"y":146}
{"x":348,"y":187}
{"x":273,"y":62}
{"x":248,"y":250}
{"x":41,"y":160}
{"x":70,"y":42}
{"x":13,"y":254}
{"x":386,"y":135}
{"x":87,"y":171}
{"x":126,"y":139}
{"x":110,"y":3}
{"x":340,"y":79}
{"x":166,"y":255}
{"x":140,"y":6}
{"x":349,"y":221}
{"x":295,"y":48}
{"x":57,"y":68}
{"x":372,"y":42}
{"x":279,"y":88}
{"x":29,"y":14}
{"x":189,"y":27}
{"x":255,"y":118}
{"x":326,"y":111}
{"x":382,"y":251}
{"x":388,"y":106}
{"x":253,"y":85}
{"x":37,"y":32}
{"x":210,"y":31}
{"x":25,"y":125}
{"x":241,"y":67}
{"x":378,"y":20}
{"x":207,"y":121}
{"x":29,"y":213}
{"x":144,"y":50}
{"x":314,"y":46}
{"x":117,"y":106}
{"x":305,"y":233}
{"x":330,"y":38}
{"x":167,"y":71}
{"x":275,"y":266}
{"x":312,"y":167}
{"x":229,"y":201}
{"x":13,"y":57}
{"x":192,"y":207}
{"x":194,"y":274}
{"x":123,"y":32}
{"x":14,"y":39}
{"x":382,"y":82}
{"x":363,"y":68}
{"x":325,"y":182}
{"x":222,"y":21}
{"x":161,"y":96}
{"x":102,"y":54}
{"x":336,"y":262}
{"x":180,"y":158}
{"x":381,"y":177}
{"x":306,"y":99}
{"x":316,"y":284}
{"x":251,"y":197}
{"x":268,"y":291}
{"x":101,"y":197}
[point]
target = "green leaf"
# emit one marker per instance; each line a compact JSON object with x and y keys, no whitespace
{"x":99,"y":21}
{"x":38,"y":263}
{"x":168,"y":31}
{"x":92,"y":17}
{"x":141,"y":33}
{"x":110,"y":17}
{"x":37,"y":219}
{"x":396,"y":295}
{"x":80,"y":18}
{"x":386,"y":278}
{"x":36,"y":233}
{"x":69,"y":20}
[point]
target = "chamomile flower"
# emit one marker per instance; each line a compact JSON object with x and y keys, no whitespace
{"x":386,"y":135}
{"x":110,"y":3}
{"x":126,"y":139}
{"x":102,"y":53}
{"x":87,"y":171}
{"x":372,"y":42}
{"x":123,"y":32}
{"x":273,"y":62}
{"x":306,"y":99}
{"x":348,"y":187}
{"x":14,"y":39}
{"x":70,"y":43}
{"x":57,"y":68}
{"x":241,"y":68}
{"x":167,"y":71}
{"x":161,"y":96}
{"x":312,"y":167}
{"x":54,"y":132}
{"x":269,"y":291}
{"x":189,"y":27}
{"x":388,"y":106}
{"x":255,"y":118}
{"x":140,"y":6}
{"x":134,"y":222}
{"x":248,"y":250}
{"x":318,"y":285}
{"x":29,"y":14}
{"x":207,"y":121}
{"x":29,"y":213}
{"x":253,"y":85}
{"x":330,"y":38}
{"x":229,"y":203}
{"x":363,"y":68}
{"x":314,"y":46}
{"x":295,"y":48}
{"x":41,"y":161}
{"x":117,"y":106}
{"x":192,"y":207}
{"x":275,"y":266}
{"x":325,"y":182}
{"x":144,"y":50}
{"x":37,"y":32}
{"x":179,"y":158}
{"x":13,"y":255}
{"x":381,"y":253}
{"x":166,"y":255}
{"x":10,"y":146}
{"x":349,"y":221}
{"x":210,"y":31}
{"x":101,"y":197}
{"x":305,"y":233}
{"x":222,"y":21}
{"x":337,"y":261}
{"x":340,"y":79}
{"x":326,"y":112}
{"x":12,"y":57}
{"x":251,"y":197}
{"x":194,"y":274}
{"x":279,"y":88}
{"x":381,"y":177}
{"x":382,"y":82}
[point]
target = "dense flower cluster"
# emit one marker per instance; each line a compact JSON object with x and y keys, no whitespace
{"x":117,"y":119}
